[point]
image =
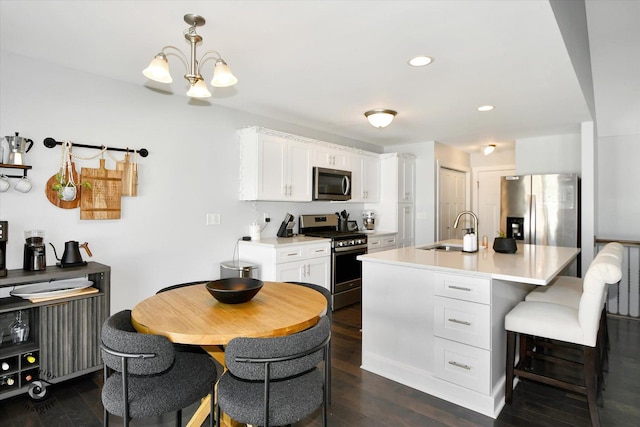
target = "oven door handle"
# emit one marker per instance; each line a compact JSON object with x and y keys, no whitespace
{"x":358,"y":248}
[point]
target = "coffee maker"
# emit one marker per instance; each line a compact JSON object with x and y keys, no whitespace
{"x":34,"y":251}
{"x":4,"y":229}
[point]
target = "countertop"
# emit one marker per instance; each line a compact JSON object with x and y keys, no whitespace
{"x":279,"y":242}
{"x":532,"y":264}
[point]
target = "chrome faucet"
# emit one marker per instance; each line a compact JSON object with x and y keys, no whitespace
{"x":475,"y":222}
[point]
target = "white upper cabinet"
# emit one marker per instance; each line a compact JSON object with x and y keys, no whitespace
{"x":365,"y":178}
{"x":406,"y":179}
{"x":273,"y":167}
{"x":328,"y":156}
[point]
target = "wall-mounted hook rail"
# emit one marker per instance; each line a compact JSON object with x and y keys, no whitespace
{"x":50,"y":143}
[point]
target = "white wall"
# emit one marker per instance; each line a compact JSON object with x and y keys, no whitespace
{"x":549,"y":154}
{"x":618,"y":186}
{"x":192,"y":170}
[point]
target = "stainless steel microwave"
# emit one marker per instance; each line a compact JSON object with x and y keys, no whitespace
{"x":331,"y":184}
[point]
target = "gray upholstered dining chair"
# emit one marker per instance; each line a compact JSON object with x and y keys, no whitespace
{"x":276,"y":381}
{"x":181,"y":285}
{"x":144,"y":376}
{"x":327,"y":294}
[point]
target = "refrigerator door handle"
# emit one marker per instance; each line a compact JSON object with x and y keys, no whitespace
{"x":533,"y":221}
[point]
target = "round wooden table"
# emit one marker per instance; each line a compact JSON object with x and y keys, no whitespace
{"x":190,"y":315}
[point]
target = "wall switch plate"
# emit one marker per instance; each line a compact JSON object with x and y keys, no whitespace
{"x":213,"y":219}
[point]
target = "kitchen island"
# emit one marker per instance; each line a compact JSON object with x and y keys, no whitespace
{"x":434,"y":319}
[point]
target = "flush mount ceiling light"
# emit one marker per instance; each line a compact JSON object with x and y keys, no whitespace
{"x":158,"y":69}
{"x":486,"y":108}
{"x":380,"y":118}
{"x":488,"y":149}
{"x":420,"y":61}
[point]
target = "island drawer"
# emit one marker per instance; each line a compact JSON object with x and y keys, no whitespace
{"x":464,"y":365}
{"x":462,"y":321}
{"x":461,"y":287}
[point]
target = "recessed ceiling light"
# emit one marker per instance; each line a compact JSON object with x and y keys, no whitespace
{"x":486,"y":107}
{"x":420,"y":61}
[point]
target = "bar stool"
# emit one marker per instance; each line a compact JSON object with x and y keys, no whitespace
{"x":567,"y":291}
{"x":565,"y":326}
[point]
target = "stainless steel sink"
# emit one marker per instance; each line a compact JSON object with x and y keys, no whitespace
{"x":443,"y":248}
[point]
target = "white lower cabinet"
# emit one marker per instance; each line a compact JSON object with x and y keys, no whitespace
{"x":462,"y":327}
{"x":462,"y":364}
{"x":381,"y":243}
{"x":315,"y":270}
{"x":309,"y":262}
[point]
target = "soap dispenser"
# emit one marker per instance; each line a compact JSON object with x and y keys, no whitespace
{"x":469,"y":241}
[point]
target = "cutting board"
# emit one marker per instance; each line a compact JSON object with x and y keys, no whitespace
{"x":104,"y":199}
{"x":52,"y":195}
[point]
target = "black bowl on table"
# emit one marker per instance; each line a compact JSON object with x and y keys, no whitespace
{"x":234,"y":290}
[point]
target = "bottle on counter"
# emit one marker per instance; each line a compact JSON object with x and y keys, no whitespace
{"x":469,"y":241}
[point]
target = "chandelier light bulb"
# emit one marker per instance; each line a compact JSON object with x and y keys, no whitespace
{"x":199,"y":90}
{"x":222,"y":75}
{"x":158,"y":69}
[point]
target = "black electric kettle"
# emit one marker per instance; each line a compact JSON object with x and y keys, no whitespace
{"x":71,"y":256}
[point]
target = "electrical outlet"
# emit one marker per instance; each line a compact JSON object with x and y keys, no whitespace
{"x":213,"y":219}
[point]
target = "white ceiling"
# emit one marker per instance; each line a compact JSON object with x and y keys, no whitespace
{"x":322,"y":64}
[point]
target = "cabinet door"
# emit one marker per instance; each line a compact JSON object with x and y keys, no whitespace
{"x":318,"y":271}
{"x":272,"y":176}
{"x":406,"y":179}
{"x":289,"y":272}
{"x":298,"y":172}
{"x":406,"y":214}
{"x":357,"y":179}
{"x":371,"y":179}
{"x":70,"y":336}
{"x":329,"y":157}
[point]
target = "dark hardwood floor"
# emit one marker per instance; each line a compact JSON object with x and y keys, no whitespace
{"x":364,"y":399}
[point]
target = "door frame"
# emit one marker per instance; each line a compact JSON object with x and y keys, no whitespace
{"x":476,"y":171}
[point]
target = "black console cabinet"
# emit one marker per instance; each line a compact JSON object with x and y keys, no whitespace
{"x":64,"y":336}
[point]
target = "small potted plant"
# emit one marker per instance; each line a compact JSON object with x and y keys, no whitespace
{"x":66,"y":187}
{"x":503,"y":244}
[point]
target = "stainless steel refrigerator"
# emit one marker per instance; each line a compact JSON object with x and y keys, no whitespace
{"x":541,"y":209}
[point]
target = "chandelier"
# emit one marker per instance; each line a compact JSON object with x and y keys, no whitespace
{"x":158,"y":69}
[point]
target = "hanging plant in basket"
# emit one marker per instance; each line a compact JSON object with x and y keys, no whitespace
{"x":65,"y":184}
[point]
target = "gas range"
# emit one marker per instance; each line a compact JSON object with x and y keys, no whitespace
{"x":327,"y":226}
{"x":346,"y":246}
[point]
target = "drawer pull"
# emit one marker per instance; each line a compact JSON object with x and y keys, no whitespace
{"x":292,"y":254}
{"x":459,"y":288}
{"x":320,"y":250}
{"x":462,"y":322}
{"x":459,"y":365}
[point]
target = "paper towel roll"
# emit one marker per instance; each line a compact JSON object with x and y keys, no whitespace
{"x":254,"y":231}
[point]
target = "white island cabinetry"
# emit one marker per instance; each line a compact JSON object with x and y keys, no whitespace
{"x":434,"y":320}
{"x":296,"y":259}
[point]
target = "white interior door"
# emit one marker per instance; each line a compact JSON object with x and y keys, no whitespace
{"x":452,"y":200}
{"x":487,"y":201}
